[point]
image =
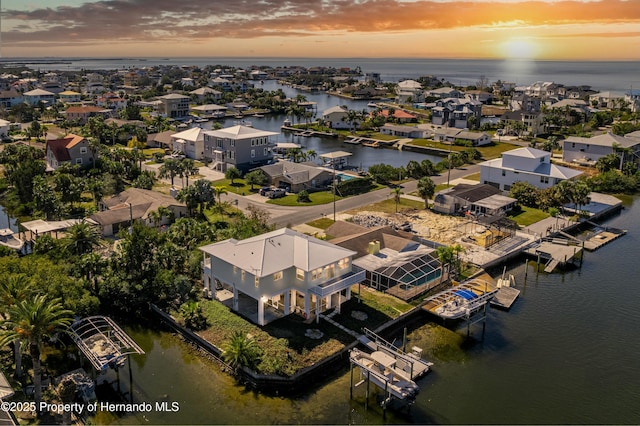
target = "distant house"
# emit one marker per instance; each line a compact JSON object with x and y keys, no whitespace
{"x":4,"y":129}
{"x":480,"y":199}
{"x":161,"y":140}
{"x":335,"y":117}
{"x":296,"y":177}
{"x":203,"y":94}
{"x":134,"y":204}
{"x":458,"y":113}
{"x":33,"y":97}
{"x":527,"y":165}
{"x":190,"y":142}
{"x":174,"y":106}
{"x":448,"y":135}
{"x":606,"y":99}
{"x":69,"y":96}
{"x":72,"y":149}
{"x":10,"y":98}
{"x":280,"y":273}
{"x":409,"y":90}
{"x":210,"y":110}
{"x":82,"y":113}
{"x":479,"y":95}
{"x":531,"y":122}
{"x":587,"y":151}
{"x":412,"y":132}
{"x":238,"y":146}
{"x":398,"y":115}
{"x":393,"y":263}
{"x":443,"y":93}
{"x":112,"y":101}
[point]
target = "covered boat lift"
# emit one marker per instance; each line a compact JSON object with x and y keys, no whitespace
{"x":103,"y":342}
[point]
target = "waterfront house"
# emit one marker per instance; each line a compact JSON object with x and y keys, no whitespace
{"x":451,"y":136}
{"x":72,"y":149}
{"x":587,"y":151}
{"x":397,"y":115}
{"x":393,"y":263}
{"x":281,"y":272}
{"x":204,"y":94}
{"x":238,"y":146}
{"x":296,"y":177}
{"x":632,"y":99}
{"x":409,"y":91}
{"x":531,"y":122}
{"x":458,"y":113}
{"x":412,"y":132}
{"x":210,"y":110}
{"x":190,"y":142}
{"x":119,"y":211}
{"x":33,"y":97}
{"x":479,"y":199}
{"x":174,"y":106}
{"x":479,"y":95}
{"x":443,"y":93}
{"x":526,"y":165}
{"x":160,"y":140}
{"x":608,"y":99}
{"x":335,"y":118}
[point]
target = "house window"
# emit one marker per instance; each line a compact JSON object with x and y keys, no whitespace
{"x":242,"y":275}
{"x":504,"y":173}
{"x":266,"y":152}
{"x":330,"y":271}
{"x":253,"y":153}
{"x":573,"y":145}
{"x":544,"y":179}
{"x":83,"y":150}
{"x":316,"y":274}
{"x":78,"y":160}
{"x":300,"y":274}
{"x":233,"y":143}
{"x":343,"y":263}
{"x":542,"y":159}
{"x":277,"y":276}
{"x":219,"y":143}
{"x":257,"y":281}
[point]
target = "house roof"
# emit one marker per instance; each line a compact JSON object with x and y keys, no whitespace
{"x":173,"y":96}
{"x":294,"y":172}
{"x":133,"y":203}
{"x":38,"y":92}
{"x":86,"y":109}
{"x":398,"y":113}
{"x":545,"y":169}
{"x":471,"y":193}
{"x":60,"y":147}
{"x":162,"y":137}
{"x":526,"y":152}
{"x":240,"y":132}
{"x":607,"y":139}
{"x":334,"y":109}
{"x":194,"y":134}
{"x":276,"y":251}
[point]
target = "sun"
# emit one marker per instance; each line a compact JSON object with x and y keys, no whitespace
{"x":520,"y":48}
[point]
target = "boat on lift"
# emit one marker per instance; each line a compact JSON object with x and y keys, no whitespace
{"x":380,"y":368}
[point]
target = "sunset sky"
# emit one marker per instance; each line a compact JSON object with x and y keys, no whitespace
{"x":550,"y":29}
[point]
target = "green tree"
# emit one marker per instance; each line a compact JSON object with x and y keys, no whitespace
{"x":426,"y":189}
{"x":145,"y":180}
{"x":526,"y":194}
{"x":241,"y":350}
{"x":200,"y":194}
{"x":169,"y":169}
{"x":47,"y":201}
{"x":232,"y":173}
{"x":256,"y":177}
{"x":193,"y":315}
{"x":14,"y":287}
{"x":82,"y":238}
{"x":33,"y":320}
{"x":397,"y":192}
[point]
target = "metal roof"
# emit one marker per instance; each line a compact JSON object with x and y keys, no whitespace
{"x":103,"y":342}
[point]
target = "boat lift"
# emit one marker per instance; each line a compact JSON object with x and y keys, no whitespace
{"x":411,"y":364}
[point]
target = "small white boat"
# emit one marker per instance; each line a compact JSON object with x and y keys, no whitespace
{"x":380,"y":369}
{"x":372,"y":105}
{"x":9,"y":239}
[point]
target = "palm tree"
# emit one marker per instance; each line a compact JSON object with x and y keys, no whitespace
{"x":396,"y":196}
{"x":169,"y":169}
{"x":426,"y":189}
{"x":189,"y":168}
{"x":82,"y":238}
{"x":13,"y":289}
{"x":219,"y":190}
{"x":241,"y":351}
{"x":33,"y":320}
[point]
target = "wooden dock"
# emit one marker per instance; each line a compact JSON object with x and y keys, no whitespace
{"x":555,"y":252}
{"x":602,"y":238}
{"x":505,"y":297}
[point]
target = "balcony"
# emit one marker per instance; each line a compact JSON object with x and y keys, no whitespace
{"x":339,"y":283}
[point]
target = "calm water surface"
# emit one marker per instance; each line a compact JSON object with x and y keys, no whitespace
{"x":566,"y":353}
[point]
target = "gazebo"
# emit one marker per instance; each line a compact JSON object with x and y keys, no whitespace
{"x":103,"y":342}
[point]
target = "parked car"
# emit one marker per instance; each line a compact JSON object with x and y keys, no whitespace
{"x":264,"y":190}
{"x":276,"y":193}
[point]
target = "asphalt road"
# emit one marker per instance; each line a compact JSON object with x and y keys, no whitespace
{"x":291,"y":216}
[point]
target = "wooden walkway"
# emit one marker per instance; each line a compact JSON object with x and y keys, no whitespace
{"x":555,"y":251}
{"x":602,"y":238}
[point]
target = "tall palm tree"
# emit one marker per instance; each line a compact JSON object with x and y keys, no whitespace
{"x":33,"y":320}
{"x":82,"y":238}
{"x":219,"y":190}
{"x":13,"y":289}
{"x":397,"y":192}
{"x":189,"y":168}
{"x":426,"y":189}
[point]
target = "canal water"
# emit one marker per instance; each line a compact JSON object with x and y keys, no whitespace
{"x":566,"y":353}
{"x":362,"y":156}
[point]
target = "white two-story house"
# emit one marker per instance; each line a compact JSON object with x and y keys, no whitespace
{"x":524,"y":165}
{"x":587,"y":151}
{"x":283,"y":272}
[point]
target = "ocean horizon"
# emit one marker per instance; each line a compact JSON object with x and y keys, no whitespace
{"x":620,"y":75}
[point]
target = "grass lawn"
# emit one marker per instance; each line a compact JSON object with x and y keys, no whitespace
{"x":149,"y":152}
{"x":317,"y":198}
{"x":285,"y":348}
{"x":528,"y":215}
{"x":492,"y":150}
{"x":239,"y":186}
{"x":322,"y":223}
{"x":474,"y":176}
{"x":389,"y":206}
